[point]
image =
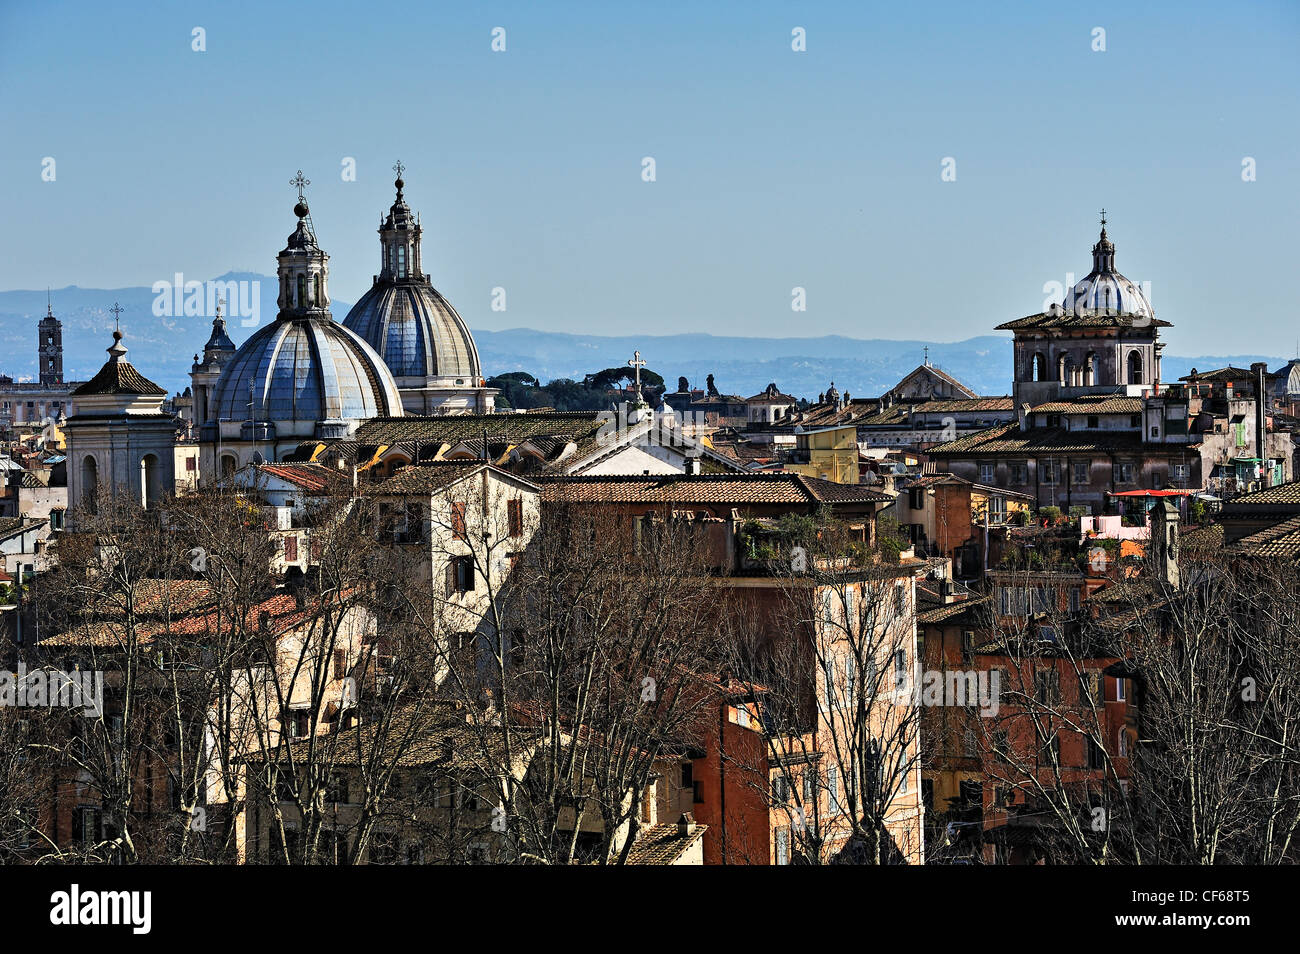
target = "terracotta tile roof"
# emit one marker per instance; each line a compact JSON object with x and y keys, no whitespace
{"x":578,"y":426}
{"x":431,"y":477}
{"x":1281,"y":540}
{"x":1281,"y":494}
{"x":1208,"y":537}
{"x":726,"y":489}
{"x":1092,"y":404}
{"x":1066,"y":320}
{"x":118,"y":377}
{"x":312,"y":477}
{"x":437,"y":738}
{"x":1009,"y":439}
{"x":971,"y":610}
{"x":663,"y":844}
{"x":1229,"y":374}
{"x":177,"y":608}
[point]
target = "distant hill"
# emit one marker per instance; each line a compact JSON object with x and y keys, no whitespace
{"x":162,"y":348}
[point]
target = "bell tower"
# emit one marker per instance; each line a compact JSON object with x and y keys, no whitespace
{"x":50,"y":348}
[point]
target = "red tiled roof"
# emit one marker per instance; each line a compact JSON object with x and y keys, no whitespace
{"x":727,"y":489}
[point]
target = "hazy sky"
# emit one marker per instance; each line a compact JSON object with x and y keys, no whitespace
{"x":775,"y":168}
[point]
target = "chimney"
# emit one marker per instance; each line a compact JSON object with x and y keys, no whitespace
{"x":685,"y":825}
{"x":693,"y":466}
{"x":1164,"y":542}
{"x":1260,"y":369}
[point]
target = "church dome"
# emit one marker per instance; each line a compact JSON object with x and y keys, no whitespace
{"x":1105,"y":291}
{"x":416,"y":331}
{"x":403,"y":317}
{"x":304,"y":369}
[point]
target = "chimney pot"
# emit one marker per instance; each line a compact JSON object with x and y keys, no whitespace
{"x":685,"y":824}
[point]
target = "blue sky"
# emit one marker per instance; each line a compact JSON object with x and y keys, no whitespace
{"x":775,"y":169}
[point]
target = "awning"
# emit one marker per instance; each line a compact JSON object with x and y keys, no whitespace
{"x":1153,"y":493}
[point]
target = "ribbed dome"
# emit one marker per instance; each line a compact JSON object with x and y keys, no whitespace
{"x":305,"y":369}
{"x":1106,"y":291}
{"x":416,"y":331}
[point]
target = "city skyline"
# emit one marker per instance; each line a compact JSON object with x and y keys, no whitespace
{"x":775,"y":169}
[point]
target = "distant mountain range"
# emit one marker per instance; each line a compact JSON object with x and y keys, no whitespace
{"x":162,"y":347}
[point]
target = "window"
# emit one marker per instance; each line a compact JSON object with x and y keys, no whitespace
{"x":1155,"y":431}
{"x":340,"y":663}
{"x":1125,"y":475}
{"x":1121,"y":690}
{"x":515,"y":516}
{"x":460,"y":575}
{"x":1178,"y":473}
{"x":1122,"y":751}
{"x":780,"y":790}
{"x":458,"y":520}
{"x":337,"y":788}
{"x":1047,"y":686}
{"x":987,"y":469}
{"x":969,"y":748}
{"x":783,"y":845}
{"x":297,"y":723}
{"x":833,"y":788}
{"x":1080,"y":469}
{"x":900,"y":669}
{"x":1093,"y":422}
{"x":1096,"y":756}
{"x":809,"y":785}
{"x":1019,"y":472}
{"x":1049,"y":468}
{"x":290,"y":549}
{"x":967,"y":645}
{"x":90,"y":825}
{"x":302,"y":291}
{"x":1135,"y":421}
{"x":190,"y":463}
{"x":401,"y":261}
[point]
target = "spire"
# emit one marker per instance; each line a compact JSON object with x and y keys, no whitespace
{"x":1103,"y":253}
{"x":399,"y":238}
{"x":302,"y":271}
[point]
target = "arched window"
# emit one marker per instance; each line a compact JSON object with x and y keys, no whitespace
{"x":150,"y":486}
{"x":1090,"y":369}
{"x":89,"y":482}
{"x":1040,"y":367}
{"x":227,"y":464}
{"x":302,"y":291}
{"x":1063,"y":369}
{"x":401,"y":261}
{"x":1135,"y":367}
{"x":320,"y":297}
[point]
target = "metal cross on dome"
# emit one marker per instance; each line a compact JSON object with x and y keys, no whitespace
{"x":1103,"y":218}
{"x":117,"y":315}
{"x":399,"y":168}
{"x":638,"y":364}
{"x":300,"y":181}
